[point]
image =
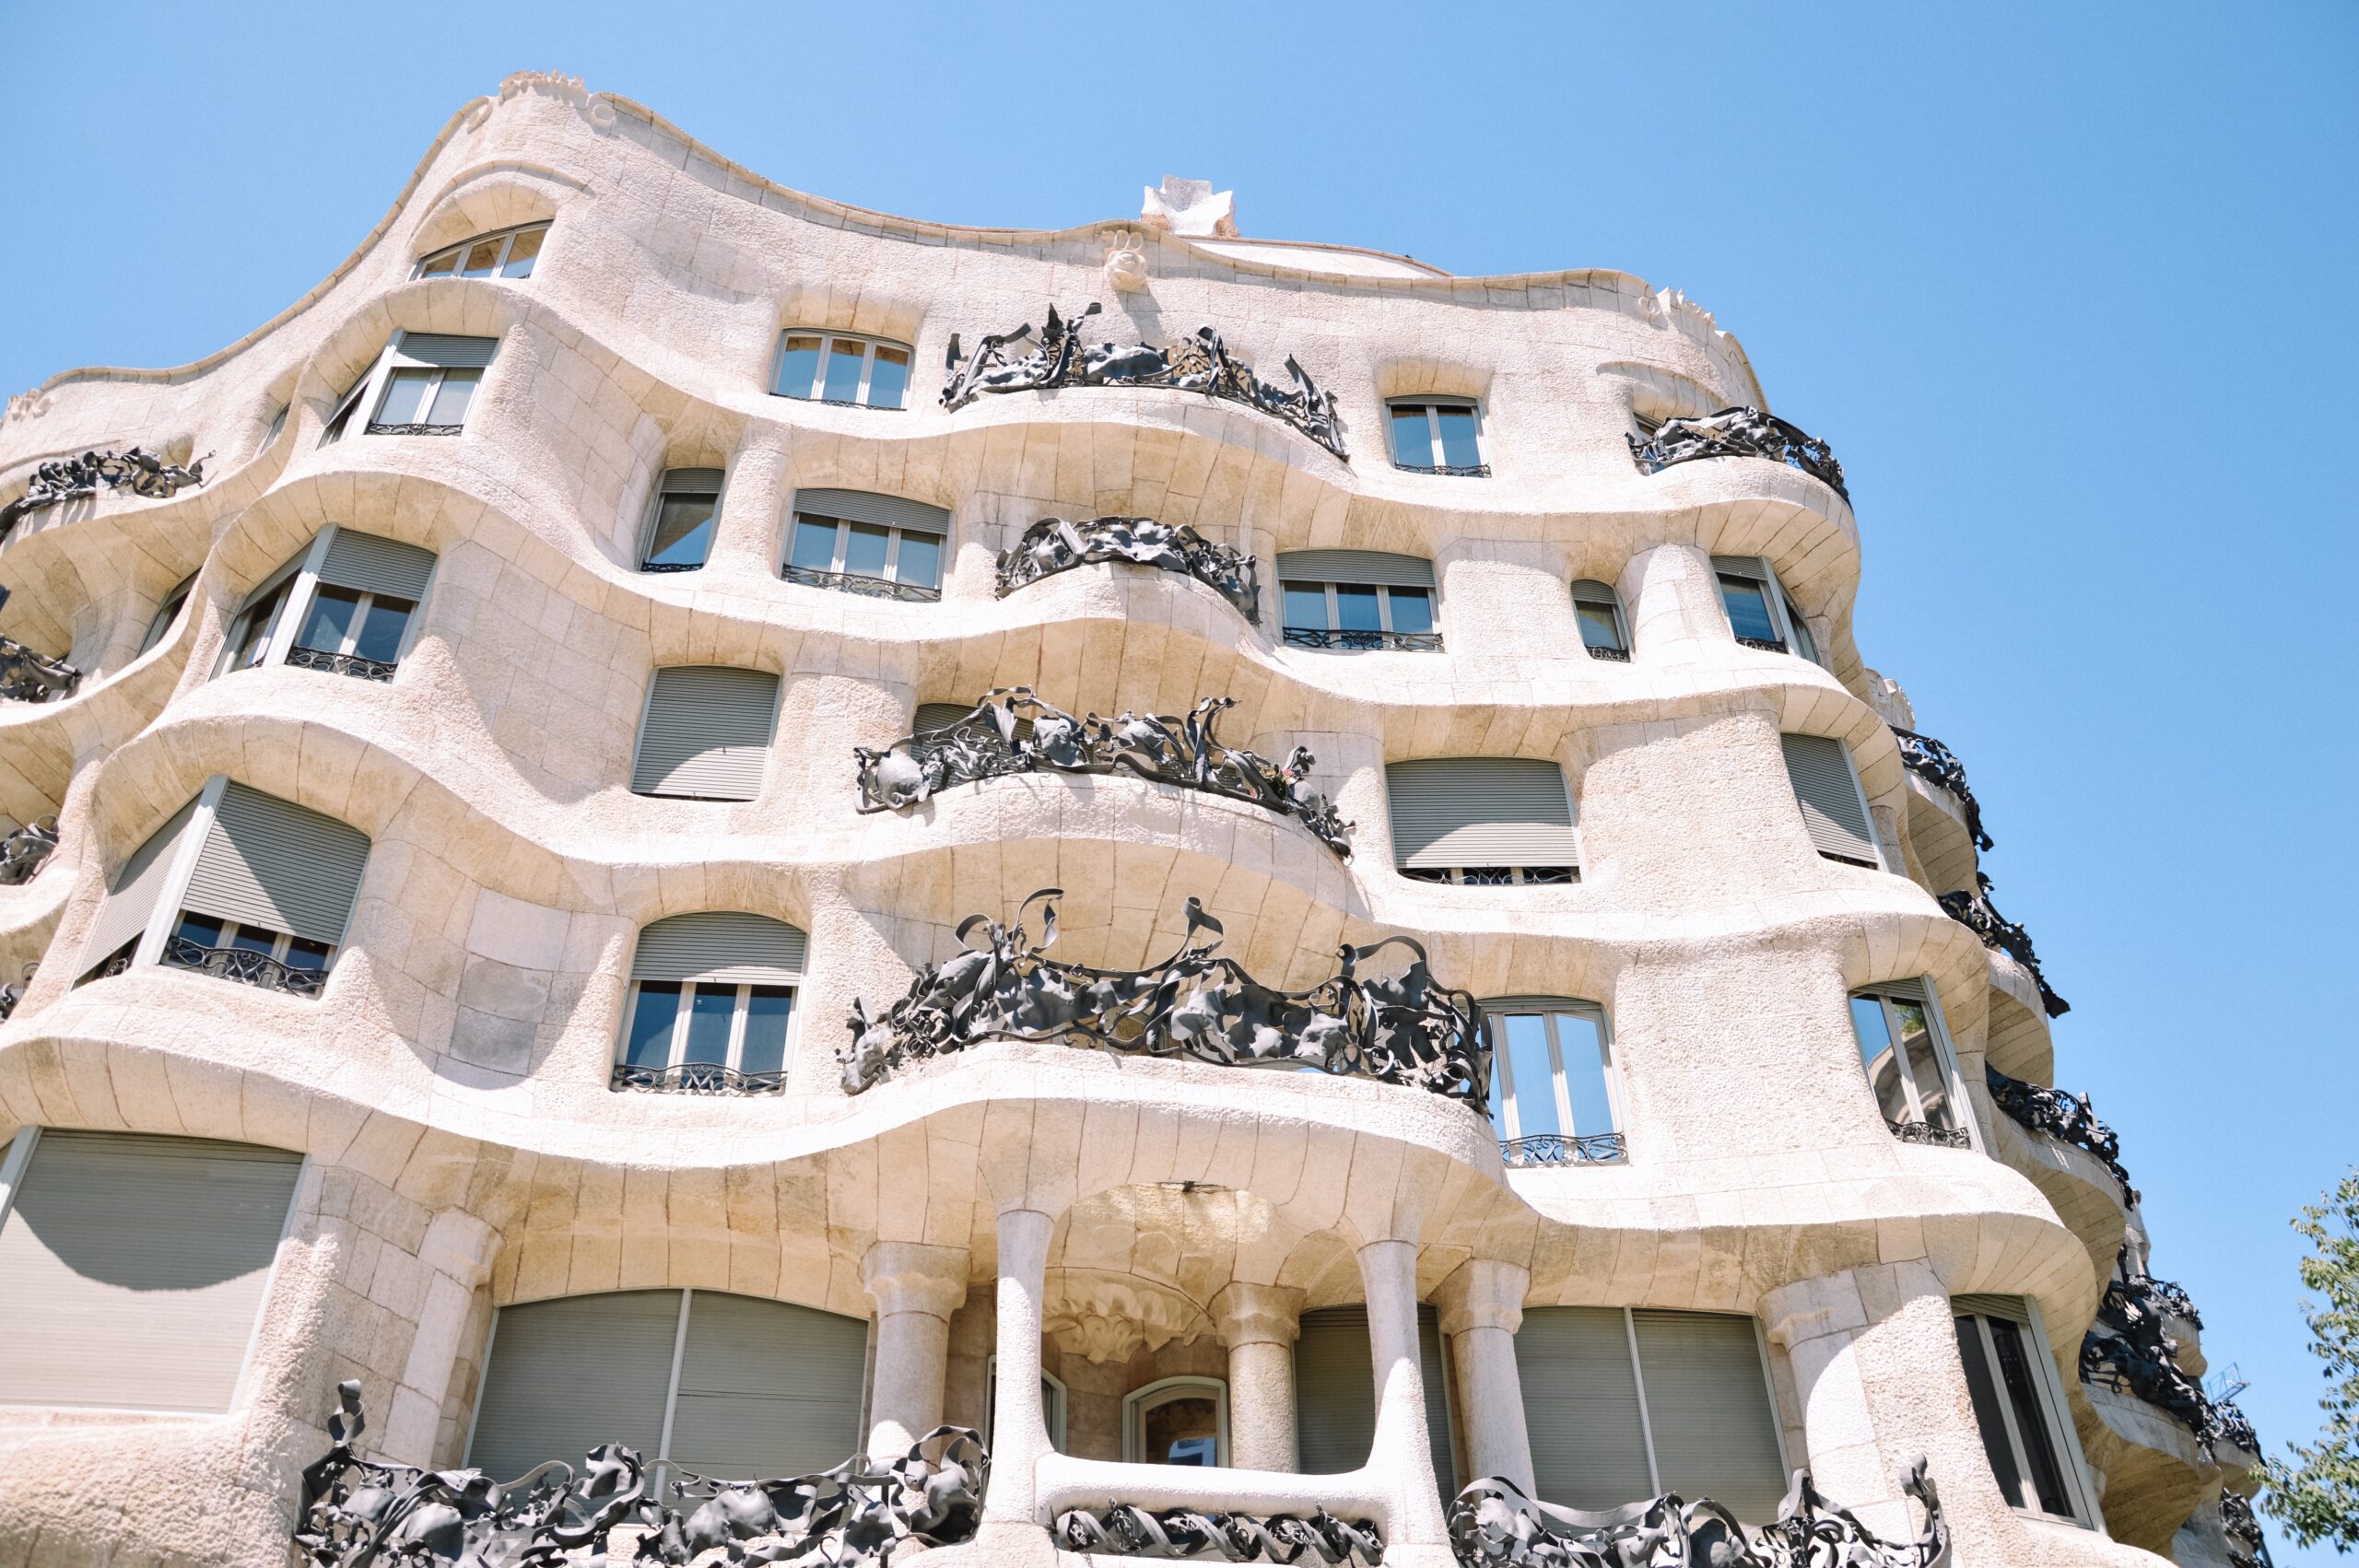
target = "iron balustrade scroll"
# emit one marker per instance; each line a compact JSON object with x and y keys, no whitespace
{"x":375,"y":428}
{"x":360,"y":1513}
{"x":1125,"y":1529}
{"x":1405,"y":1029}
{"x":29,"y":676}
{"x":1362,"y":641}
{"x":1763,"y":644}
{"x":1738,"y":432}
{"x":1053,"y":545}
{"x":25,"y":850}
{"x":74,"y":478}
{"x":1556,"y":1148}
{"x":1011,"y":731}
{"x":2248,"y":1545}
{"x":2068,"y":1119}
{"x":1974,"y":911}
{"x":2158,"y":1296}
{"x":244,"y":965}
{"x":855,"y":582}
{"x":1937,"y":765}
{"x":1494,"y":1525}
{"x":696,"y":1078}
{"x":1925,"y":1132}
{"x":2128,"y":1349}
{"x":340,"y":663}
{"x":1199,"y":364}
{"x":1450,"y":470}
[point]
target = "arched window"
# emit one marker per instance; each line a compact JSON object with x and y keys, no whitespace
{"x":711,"y":1004}
{"x":347,"y":605}
{"x":1178,"y":1421}
{"x":841,"y":367}
{"x":1439,"y":435}
{"x":1598,"y":609}
{"x":505,"y":252}
{"x":1556,"y":1098}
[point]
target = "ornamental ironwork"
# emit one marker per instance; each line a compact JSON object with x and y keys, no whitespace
{"x":1011,"y":731}
{"x":1053,"y":545}
{"x":2247,"y":1546}
{"x":1738,"y":432}
{"x":1937,"y":765}
{"x":1199,"y":364}
{"x":1125,"y":1529}
{"x":1925,"y":1132}
{"x":1556,"y":1148}
{"x":360,"y":1513}
{"x":29,"y":676}
{"x":696,"y":1078}
{"x":2157,"y":1295}
{"x":1355,"y":640}
{"x":1406,"y":1029}
{"x":1494,"y":1525}
{"x":854,"y":583}
{"x":72,"y":478}
{"x":14,"y":992}
{"x":24,"y":851}
{"x":2128,"y":1349}
{"x":1451,"y":470}
{"x":1763,"y":644}
{"x":1974,"y":911}
{"x":244,"y":965}
{"x":340,"y":663}
{"x":2068,"y":1119}
{"x":375,"y":428}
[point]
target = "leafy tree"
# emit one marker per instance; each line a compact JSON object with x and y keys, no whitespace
{"x":2318,"y":1498}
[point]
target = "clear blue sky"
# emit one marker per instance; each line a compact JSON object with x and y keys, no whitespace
{"x":2059,"y":282}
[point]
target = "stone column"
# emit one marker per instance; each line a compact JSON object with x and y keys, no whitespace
{"x":1673,"y":603}
{"x":1019,"y":1427}
{"x":1482,"y":1306}
{"x":1401,"y":1451}
{"x":916,"y":1288}
{"x":1259,"y":1323}
{"x":456,"y":1255}
{"x":753,"y":503}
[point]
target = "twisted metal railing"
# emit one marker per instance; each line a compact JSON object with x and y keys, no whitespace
{"x":340,"y":663}
{"x":1925,"y":1132}
{"x":2128,"y":1349}
{"x":1556,"y":1148}
{"x":1738,"y":432}
{"x":696,"y":1078}
{"x":243,"y":966}
{"x":1937,"y":765}
{"x":2068,"y":1119}
{"x":1362,"y":641}
{"x":1053,"y":545}
{"x":30,"y":676}
{"x":375,"y":428}
{"x":1451,"y":469}
{"x":25,"y":849}
{"x":1974,"y":911}
{"x":2248,"y":1545}
{"x":1125,"y":1529}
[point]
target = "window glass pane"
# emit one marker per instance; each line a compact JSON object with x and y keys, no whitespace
{"x":1535,"y":1080}
{"x":709,"y":1013}
{"x":1458,"y":448}
{"x":920,"y":560}
{"x":2031,"y":1420}
{"x":1356,"y":608}
{"x":1412,"y":441}
{"x":202,"y":930}
{"x":255,"y":939}
{"x":451,"y":398}
{"x":404,"y":395}
{"x":254,"y":626}
{"x":1498,"y":1097}
{"x":767,"y":1012}
{"x":521,"y":251}
{"x":843,"y":371}
{"x":442,"y":266}
{"x":1183,"y":1430}
{"x":815,"y":545}
{"x":330,"y":618}
{"x":1307,"y":606}
{"x":682,"y":531}
{"x":1413,"y":609}
{"x":1748,"y":610}
{"x":304,"y":954}
{"x":1804,"y":643}
{"x":1581,"y":1042}
{"x":888,"y":377}
{"x":1924,"y":1065}
{"x":1983,"y":1390}
{"x":480,"y":257}
{"x":864,"y":551}
{"x":1598,"y":628}
{"x":651,"y":1023}
{"x":798,"y":366}
{"x":381,"y":631}
{"x":1876,"y":1053}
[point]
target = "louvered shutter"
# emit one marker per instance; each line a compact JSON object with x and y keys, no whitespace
{"x":568,"y":1375}
{"x":933,"y":716}
{"x":720,"y":944}
{"x":1832,"y":808}
{"x":691,"y":482}
{"x":370,"y":563}
{"x":1580,"y":1407}
{"x":1366,"y":567}
{"x":270,"y":862}
{"x":1708,"y":1404}
{"x":1744,"y":566}
{"x":443,"y":351}
{"x":707,"y":733}
{"x":124,"y":913}
{"x":1588,"y":590}
{"x":867,"y":505}
{"x":1334,"y":1382}
{"x":1901,"y":990}
{"x":2008,"y":1309}
{"x":767,"y":1389}
{"x":133,"y":1268}
{"x":1480,"y":812}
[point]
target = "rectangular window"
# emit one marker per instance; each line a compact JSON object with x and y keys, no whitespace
{"x":706,"y":733}
{"x":1761,"y":612}
{"x":1834,"y":808}
{"x":424,"y":402}
{"x":709,"y":1035}
{"x":1747,"y":604}
{"x":269,"y":893}
{"x":351,"y":632}
{"x":168,"y":613}
{"x":688,"y":503}
{"x":1335,"y":1390}
{"x":865,"y":558}
{"x":2010,"y":1378}
{"x":1909,"y":1063}
{"x":841,"y":367}
{"x":1597,"y":608}
{"x":1358,"y":616}
{"x":1483,"y":821}
{"x":508,"y":252}
{"x":1439,"y":436}
{"x":1554,"y":1098}
{"x":250,"y":634}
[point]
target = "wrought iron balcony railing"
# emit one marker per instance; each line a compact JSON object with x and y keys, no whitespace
{"x":1556,"y":1148}
{"x":376,"y":430}
{"x":2068,"y":1119}
{"x":1937,"y":765}
{"x":1738,"y":432}
{"x":696,"y":1078}
{"x":243,"y":966}
{"x":659,"y":567}
{"x":854,"y":583}
{"x":26,"y":850}
{"x":1362,"y":641}
{"x":340,"y":663}
{"x":1451,"y":469}
{"x":34,"y":677}
{"x":1927,"y":1133}
{"x":1766,"y":644}
{"x":1974,"y":911}
{"x":2248,"y":1545}
{"x":1616,"y":655}
{"x":1053,"y":545}
{"x":72,"y":478}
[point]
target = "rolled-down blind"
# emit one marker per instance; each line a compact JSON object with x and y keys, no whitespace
{"x":1742,"y":566}
{"x":720,"y":944}
{"x":1832,"y":810}
{"x":131,"y":1268}
{"x":2007,"y":1310}
{"x":444,"y":351}
{"x":270,"y":862}
{"x":568,"y":1375}
{"x":1580,"y":1407}
{"x":767,"y":1389}
{"x":691,"y":481}
{"x":933,"y":716}
{"x":124,"y":913}
{"x":1708,"y":1404}
{"x":706,"y":732}
{"x":1905,"y":990}
{"x":1588,"y":590}
{"x":370,"y":563}
{"x":1480,"y":810}
{"x":1356,"y":566}
{"x":1334,"y":1382}
{"x":867,"y":505}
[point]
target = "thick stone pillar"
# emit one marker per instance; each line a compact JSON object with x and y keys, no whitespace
{"x":457,"y":1253}
{"x":1019,"y":1427}
{"x":1482,"y":1306}
{"x":916,"y":1288}
{"x":1259,"y":1323}
{"x":1672,"y":600}
{"x":1401,"y":1451}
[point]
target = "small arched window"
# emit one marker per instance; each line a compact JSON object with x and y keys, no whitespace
{"x":1177,"y":1420}
{"x":841,"y":367}
{"x":711,"y":1004}
{"x":1438,"y":435}
{"x":505,"y":252}
{"x":1598,"y":609}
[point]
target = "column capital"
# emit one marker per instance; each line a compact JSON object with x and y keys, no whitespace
{"x":1258,"y":1314}
{"x":1483,"y":1293}
{"x":912,"y":1276}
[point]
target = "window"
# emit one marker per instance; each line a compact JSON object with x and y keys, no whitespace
{"x":839,"y":367}
{"x":1334,"y":1392}
{"x":1357,"y":600}
{"x":1554,"y":1098}
{"x":423,"y":384}
{"x":277,"y":423}
{"x":133,"y":1268}
{"x":711,"y":1004}
{"x":346,"y":605}
{"x":857,"y":542}
{"x":739,"y":1386}
{"x":679,"y":535}
{"x":2011,"y":1377}
{"x":1483,"y":821}
{"x":706,"y":734}
{"x":1623,"y":1404}
{"x":1178,"y":1421}
{"x":1760,"y":612}
{"x":1439,"y":435}
{"x":1909,"y":1064}
{"x":168,"y":613}
{"x":1052,"y":1403}
{"x":1834,"y":809}
{"x":507,"y":252}
{"x":1598,"y":610}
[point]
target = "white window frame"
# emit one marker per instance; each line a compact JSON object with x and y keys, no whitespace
{"x":894,"y":536}
{"x":168,"y":613}
{"x":435,"y":375}
{"x":1432,"y":402}
{"x":1162,"y":1391}
{"x":828,"y":340}
{"x":1510,"y":1112}
{"x":1620,"y":627}
{"x":675,"y":1053}
{"x":1945,"y":1057}
{"x":1052,"y":1413}
{"x":1383,"y":605}
{"x":1793,"y":630}
{"x":296,"y":608}
{"x":2049,"y":1390}
{"x":458,"y":253}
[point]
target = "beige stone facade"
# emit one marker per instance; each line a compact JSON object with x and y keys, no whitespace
{"x":1120,"y":1220}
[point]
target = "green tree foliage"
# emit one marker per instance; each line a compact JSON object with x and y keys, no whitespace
{"x":2318,"y":1499}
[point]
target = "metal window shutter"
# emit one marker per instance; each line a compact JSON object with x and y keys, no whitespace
{"x":370,"y":563}
{"x":1588,"y":590}
{"x":720,"y":944}
{"x":1900,"y":991}
{"x":568,"y":1375}
{"x":1830,"y":801}
{"x":2007,"y":1310}
{"x":867,"y":505}
{"x":263,"y":588}
{"x":690,"y":482}
{"x":270,"y":862}
{"x":133,"y":1268}
{"x":1335,"y":1383}
{"x":443,"y":351}
{"x":1356,"y":566}
{"x":767,"y":1389}
{"x":1742,"y":566}
{"x":124,"y":913}
{"x":933,"y":716}
{"x":706,"y":732}
{"x":1580,"y":1407}
{"x":1480,"y":810}
{"x":1707,"y":1403}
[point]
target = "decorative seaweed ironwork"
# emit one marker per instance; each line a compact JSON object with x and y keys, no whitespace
{"x":2069,"y":1118}
{"x":696,"y":1078}
{"x":1738,"y":432}
{"x":242,"y":965}
{"x":72,"y":478}
{"x":29,"y":676}
{"x":1557,"y":1149}
{"x":25,"y":849}
{"x":1937,"y":765}
{"x":1406,"y":1029}
{"x":357,"y":664}
{"x":1199,"y":364}
{"x":1011,"y":731}
{"x":2248,"y":1545}
{"x":1125,"y":1529}
{"x":2128,"y":1349}
{"x":1053,"y":545}
{"x":1925,"y":1132}
{"x":1975,"y":912}
{"x":1353,"y":639}
{"x":860,"y":582}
